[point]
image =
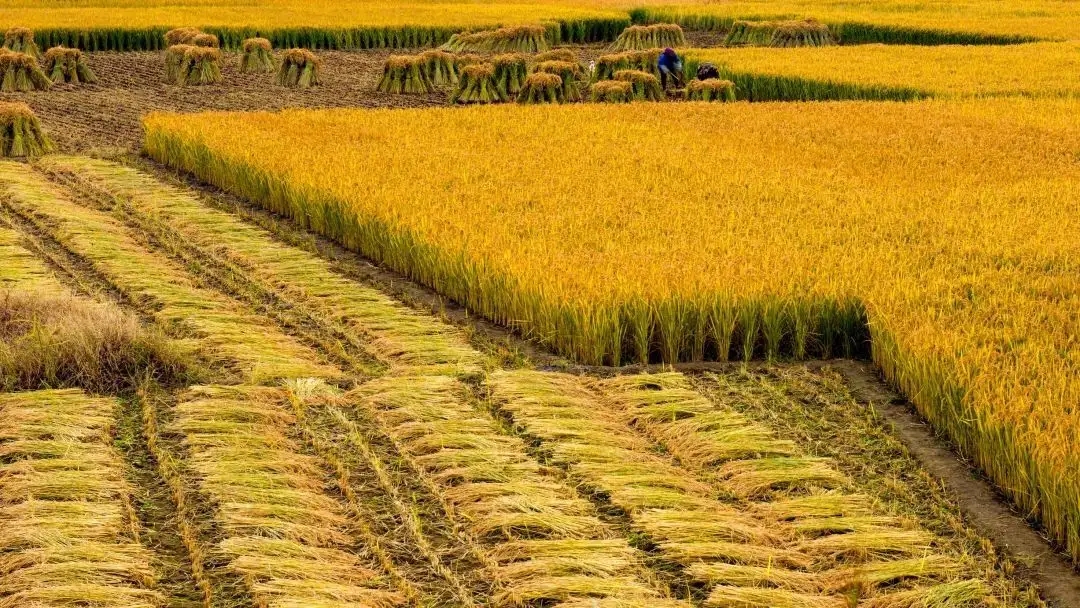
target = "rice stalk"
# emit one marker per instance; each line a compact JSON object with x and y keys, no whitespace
{"x":542,"y":88}
{"x":21,"y":73}
{"x":181,"y":35}
{"x":299,"y":69}
{"x":645,"y":86}
{"x":68,"y":65}
{"x":20,"y":131}
{"x":205,"y":40}
{"x":568,"y":72}
{"x":476,"y":84}
{"x":959,"y":594}
{"x":192,"y":65}
{"x":405,"y":74}
{"x":713,"y":89}
{"x":642,"y":37}
{"x":21,"y":40}
{"x":611,"y":91}
{"x":567,"y":55}
{"x":440,"y":67}
{"x":511,"y":70}
{"x":514,"y":39}
{"x":727,"y":596}
{"x":257,"y":57}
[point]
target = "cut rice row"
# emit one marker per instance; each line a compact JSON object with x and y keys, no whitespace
{"x":811,"y":548}
{"x":539,"y":541}
{"x":277,"y":530}
{"x":70,"y":536}
{"x":22,"y":269}
{"x":402,"y":338}
{"x":226,"y":335}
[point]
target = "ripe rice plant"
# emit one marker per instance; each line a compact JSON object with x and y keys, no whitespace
{"x":511,"y":70}
{"x":205,"y":40}
{"x":713,"y":89}
{"x":21,"y":40}
{"x":299,"y":69}
{"x":68,"y":65}
{"x":542,"y":87}
{"x":405,"y":74}
{"x":645,"y":86}
{"x":181,"y":35}
{"x":476,"y":84}
{"x":568,"y":72}
{"x":21,"y":73}
{"x":611,"y":91}
{"x":257,"y":57}
{"x":440,"y":67}
{"x":642,"y":37}
{"x":192,"y":65}
{"x":516,"y":39}
{"x":20,"y":131}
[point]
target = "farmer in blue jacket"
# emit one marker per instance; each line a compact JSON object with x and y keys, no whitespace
{"x":670,"y":65}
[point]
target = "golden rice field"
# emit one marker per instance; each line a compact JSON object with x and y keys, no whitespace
{"x":944,"y":229}
{"x":1035,"y":70}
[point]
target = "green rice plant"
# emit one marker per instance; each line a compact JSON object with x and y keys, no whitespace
{"x":645,"y":86}
{"x":542,"y":88}
{"x":476,"y":84}
{"x":515,"y":39}
{"x":20,"y":132}
{"x":299,"y":69}
{"x":21,"y":40}
{"x":68,"y":65}
{"x":641,"y":37}
{"x":556,"y":55}
{"x":192,"y":65}
{"x":511,"y":70}
{"x":569,"y":72}
{"x":713,"y":89}
{"x":257,"y":57}
{"x":440,"y":67}
{"x":205,"y":40}
{"x":617,"y":91}
{"x":750,"y":33}
{"x":21,"y":73}
{"x":405,"y":74}
{"x":181,"y":35}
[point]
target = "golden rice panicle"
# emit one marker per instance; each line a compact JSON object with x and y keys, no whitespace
{"x":205,"y":40}
{"x":713,"y":89}
{"x":645,"y":86}
{"x":300,"y":69}
{"x":181,"y":35}
{"x":477,"y":84}
{"x":542,"y":88}
{"x":257,"y":56}
{"x":641,"y":37}
{"x":20,"y":132}
{"x":193,"y":65}
{"x":21,"y":40}
{"x":569,"y":72}
{"x":611,"y":91}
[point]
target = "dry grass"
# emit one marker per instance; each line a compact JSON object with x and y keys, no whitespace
{"x":257,"y":57}
{"x":300,"y":68}
{"x":20,"y":131}
{"x":70,"y":538}
{"x":645,"y":61}
{"x":68,"y":65}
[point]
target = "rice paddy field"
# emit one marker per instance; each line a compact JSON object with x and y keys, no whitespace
{"x":466,"y":304}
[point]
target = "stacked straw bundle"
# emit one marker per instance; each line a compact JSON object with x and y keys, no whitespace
{"x":516,"y":39}
{"x":405,"y":74}
{"x":713,"y":89}
{"x":477,"y":85}
{"x":20,"y":132}
{"x":181,"y":35}
{"x":206,"y":40}
{"x":21,"y":40}
{"x":186,"y":64}
{"x":68,"y":65}
{"x":511,"y":70}
{"x":644,"y":61}
{"x":556,"y":55}
{"x":20,"y":72}
{"x":440,"y":67}
{"x":257,"y":57}
{"x":644,"y":86}
{"x":299,"y":69}
{"x":641,"y":37}
{"x":779,"y":34}
{"x":750,"y":33}
{"x":542,"y":87}
{"x":612,"y":91}
{"x":568,"y":72}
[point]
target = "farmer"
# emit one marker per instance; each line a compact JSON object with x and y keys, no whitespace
{"x":707,"y":71}
{"x":670,"y":64}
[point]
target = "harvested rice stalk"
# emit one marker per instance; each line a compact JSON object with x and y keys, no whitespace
{"x":724,"y":596}
{"x":21,"y":73}
{"x":557,"y":55}
{"x":404,"y":74}
{"x":612,"y":91}
{"x":568,"y":72}
{"x":192,"y":65}
{"x":205,"y":40}
{"x":477,"y":85}
{"x":801,"y":33}
{"x":440,"y":67}
{"x":750,"y":33}
{"x":644,"y":61}
{"x":516,"y":39}
{"x":465,"y":59}
{"x":713,"y":89}
{"x":511,"y":70}
{"x":181,"y":35}
{"x":20,"y":132}
{"x":640,"y":37}
{"x":258,"y":57}
{"x":947,"y":595}
{"x":21,"y":40}
{"x":645,"y":86}
{"x":68,"y":65}
{"x":542,"y":88}
{"x":299,"y":68}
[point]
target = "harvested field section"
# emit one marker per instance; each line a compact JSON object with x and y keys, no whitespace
{"x":224,"y":334}
{"x":801,"y":538}
{"x":538,"y":542}
{"x":395,"y":335}
{"x":21,"y":269}
{"x":70,"y":534}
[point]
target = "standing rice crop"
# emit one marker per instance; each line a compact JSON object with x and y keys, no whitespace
{"x":68,"y":65}
{"x":542,"y":88}
{"x":440,"y":67}
{"x":713,"y":89}
{"x":299,"y":69}
{"x":568,"y":72}
{"x":611,"y":91}
{"x":511,"y":70}
{"x":20,"y":132}
{"x":405,"y":74}
{"x":641,"y":37}
{"x":257,"y":57}
{"x":192,"y":65}
{"x":20,"y":72}
{"x":21,"y":40}
{"x":181,"y":35}
{"x":645,"y":86}
{"x":477,"y":85}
